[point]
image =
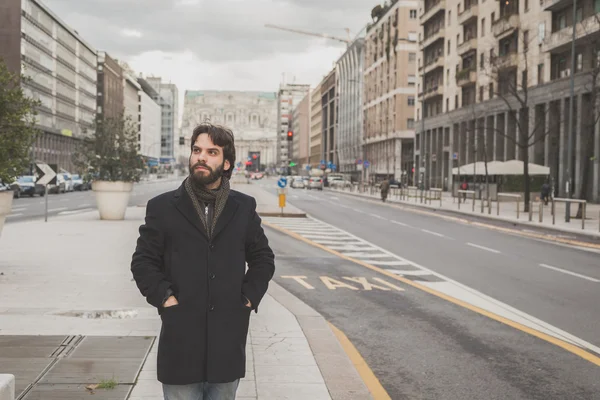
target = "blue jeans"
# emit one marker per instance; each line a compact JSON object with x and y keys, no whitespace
{"x":201,"y":391}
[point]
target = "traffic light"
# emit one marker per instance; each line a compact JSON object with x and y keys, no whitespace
{"x":290,"y":135}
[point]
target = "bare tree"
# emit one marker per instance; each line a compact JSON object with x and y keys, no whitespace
{"x":514,"y":91}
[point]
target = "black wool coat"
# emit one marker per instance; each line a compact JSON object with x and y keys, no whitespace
{"x":203,"y":339}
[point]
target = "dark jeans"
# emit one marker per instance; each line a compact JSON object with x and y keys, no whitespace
{"x":201,"y":391}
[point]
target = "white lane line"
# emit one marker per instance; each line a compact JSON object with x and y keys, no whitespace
{"x":82,"y":210}
{"x":564,"y":271}
{"x":334,"y":198}
{"x":483,"y":248}
{"x":85,"y":205}
{"x":376,"y":216}
{"x":313,"y":197}
{"x":65,"y":199}
{"x":417,"y":272}
{"x":358,"y":211}
{"x":433,"y":233}
{"x":14,"y":215}
{"x":400,"y":223}
{"x":19,"y":208}
{"x":57,"y":209}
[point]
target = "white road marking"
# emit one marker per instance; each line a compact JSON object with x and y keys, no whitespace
{"x":313,"y":197}
{"x":376,"y":216}
{"x":19,"y":208}
{"x":416,"y":272}
{"x":57,"y":209}
{"x":82,"y":210}
{"x":334,"y":198}
{"x":14,"y":215}
{"x":433,"y":233}
{"x":400,"y":223}
{"x":483,"y":248}
{"x":85,"y":205}
{"x":358,"y":211}
{"x":564,"y":271}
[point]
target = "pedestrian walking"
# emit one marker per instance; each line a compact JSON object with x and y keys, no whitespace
{"x":385,"y":188}
{"x":545,"y":192}
{"x":190,"y":263}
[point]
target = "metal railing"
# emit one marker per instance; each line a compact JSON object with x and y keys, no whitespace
{"x":577,"y":201}
{"x":509,"y":195}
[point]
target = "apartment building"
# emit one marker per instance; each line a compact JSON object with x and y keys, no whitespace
{"x":288,"y":96}
{"x":473,"y":56}
{"x":301,"y":129}
{"x":62,"y":68}
{"x":111,"y":88}
{"x":168,"y":99}
{"x":350,"y":69}
{"x":329,"y":118}
{"x":390,"y":91}
{"x":315,"y":127}
{"x":150,"y":123}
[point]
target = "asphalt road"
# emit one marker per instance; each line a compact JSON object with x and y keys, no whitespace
{"x":27,"y":208}
{"x":423,"y":347}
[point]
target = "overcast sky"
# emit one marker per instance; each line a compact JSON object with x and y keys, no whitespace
{"x":218,"y":44}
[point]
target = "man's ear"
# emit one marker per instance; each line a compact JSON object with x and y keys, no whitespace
{"x":226,"y":166}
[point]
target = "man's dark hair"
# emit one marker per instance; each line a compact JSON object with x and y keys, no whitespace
{"x":220,"y":136}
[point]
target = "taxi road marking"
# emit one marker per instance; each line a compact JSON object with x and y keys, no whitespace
{"x":333,"y":284}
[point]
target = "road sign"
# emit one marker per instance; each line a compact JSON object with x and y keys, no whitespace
{"x":366,"y":164}
{"x":282,"y":182}
{"x":282,"y":200}
{"x":333,"y":167}
{"x":308,"y":167}
{"x":46,"y":174}
{"x":455,"y":156}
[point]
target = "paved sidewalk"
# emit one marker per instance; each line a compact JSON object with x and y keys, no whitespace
{"x":71,"y":276}
{"x":267,"y":204}
{"x":508,"y":211}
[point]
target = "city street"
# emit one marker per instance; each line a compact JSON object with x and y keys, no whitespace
{"x":27,"y":208}
{"x":420,"y":346}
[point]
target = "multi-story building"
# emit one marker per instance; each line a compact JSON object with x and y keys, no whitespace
{"x":111,"y":88}
{"x":301,"y":130}
{"x":287,"y":97}
{"x":350,"y":69}
{"x":150,"y":117}
{"x":498,"y":72}
{"x":390,"y":91}
{"x":131,"y":98}
{"x":168,"y":99}
{"x":329,"y":118}
{"x":62,"y":68}
{"x":251,"y":115}
{"x":316,"y":128}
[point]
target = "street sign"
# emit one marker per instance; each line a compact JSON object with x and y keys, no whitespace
{"x":282,"y":182}
{"x":333,"y":167}
{"x":282,"y":200}
{"x":359,"y":161}
{"x":455,"y":156}
{"x":308,"y":167}
{"x":366,"y":164}
{"x":46,"y":174}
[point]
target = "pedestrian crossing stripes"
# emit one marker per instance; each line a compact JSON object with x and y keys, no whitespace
{"x":352,"y":246}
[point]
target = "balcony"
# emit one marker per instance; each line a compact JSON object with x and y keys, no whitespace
{"x":467,"y":76}
{"x":468,"y":15}
{"x":560,"y":41}
{"x":553,"y":5}
{"x":505,"y":26}
{"x":467,"y":46}
{"x":435,"y":64}
{"x":432,"y":92}
{"x":507,"y":61}
{"x":439,"y":7}
{"x":433,"y":38}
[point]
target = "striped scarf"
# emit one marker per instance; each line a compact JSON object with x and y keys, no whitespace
{"x":201,"y":197}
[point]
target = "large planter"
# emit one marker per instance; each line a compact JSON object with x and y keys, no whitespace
{"x":6,"y":199}
{"x":112,"y":199}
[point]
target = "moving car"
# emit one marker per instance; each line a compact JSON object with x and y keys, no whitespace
{"x":297,"y":183}
{"x":315,"y":182}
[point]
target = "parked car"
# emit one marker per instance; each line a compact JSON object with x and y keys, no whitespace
{"x":297,"y":183}
{"x":315,"y":183}
{"x":4,"y":187}
{"x":26,"y":186}
{"x":79,"y":183}
{"x":60,"y":186}
{"x":69,"y":187}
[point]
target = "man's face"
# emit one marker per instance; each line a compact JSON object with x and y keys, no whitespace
{"x":207,"y":163}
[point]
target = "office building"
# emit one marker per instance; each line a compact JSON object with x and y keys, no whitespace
{"x":111,"y":88}
{"x":168,"y":99}
{"x":150,"y":124}
{"x":288,"y":96}
{"x":316,"y":130}
{"x":329,"y":119}
{"x":301,"y":133}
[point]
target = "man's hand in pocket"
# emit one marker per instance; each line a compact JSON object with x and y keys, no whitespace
{"x":171,"y":301}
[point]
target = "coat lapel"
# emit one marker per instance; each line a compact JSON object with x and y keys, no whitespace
{"x":228,"y":212}
{"x":184,"y":204}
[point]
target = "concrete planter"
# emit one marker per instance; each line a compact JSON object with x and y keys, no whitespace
{"x":6,"y":199}
{"x":112,"y":199}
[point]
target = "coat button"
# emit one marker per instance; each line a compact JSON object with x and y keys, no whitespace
{"x":211,"y":246}
{"x":212,"y":307}
{"x":212,"y":276}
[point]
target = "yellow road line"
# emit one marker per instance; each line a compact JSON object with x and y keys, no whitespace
{"x":541,"y":236}
{"x":368,"y":377}
{"x":594,"y":359}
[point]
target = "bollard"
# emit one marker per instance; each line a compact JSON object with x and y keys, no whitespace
{"x":498,"y":207}
{"x":473,"y":210}
{"x":541,"y":212}
{"x":583,"y":218}
{"x":482,"y":205}
{"x":553,"y":213}
{"x":440,"y":199}
{"x":518,"y":206}
{"x":459,"y":200}
{"x":530,"y":211}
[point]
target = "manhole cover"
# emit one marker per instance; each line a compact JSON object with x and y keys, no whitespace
{"x":101,"y":314}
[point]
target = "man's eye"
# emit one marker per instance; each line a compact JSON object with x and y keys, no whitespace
{"x":213,"y":153}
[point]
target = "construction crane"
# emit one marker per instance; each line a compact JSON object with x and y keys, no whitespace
{"x":322,"y":35}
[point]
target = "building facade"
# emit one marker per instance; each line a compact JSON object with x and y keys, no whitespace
{"x":497,"y":78}
{"x":150,"y":119}
{"x":252,"y":116}
{"x":390,"y":91}
{"x":329,"y":118}
{"x":301,"y":129}
{"x":111,"y":89}
{"x":288,"y":96}
{"x":316,"y":129}
{"x":131,"y":98}
{"x":168,"y":99}
{"x":350,"y":68}
{"x":62,"y":68}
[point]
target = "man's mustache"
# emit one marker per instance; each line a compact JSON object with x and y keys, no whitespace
{"x":199,"y":164}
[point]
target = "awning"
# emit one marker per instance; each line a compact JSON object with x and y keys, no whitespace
{"x":512,"y":167}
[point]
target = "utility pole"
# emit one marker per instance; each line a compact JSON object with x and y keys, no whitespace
{"x":571,"y":117}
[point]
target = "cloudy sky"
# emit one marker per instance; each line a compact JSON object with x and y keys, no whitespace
{"x":218,"y":44}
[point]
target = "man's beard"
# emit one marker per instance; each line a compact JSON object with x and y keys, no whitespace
{"x":200,"y":179}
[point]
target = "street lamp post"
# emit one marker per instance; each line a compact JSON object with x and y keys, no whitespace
{"x":571,"y":115}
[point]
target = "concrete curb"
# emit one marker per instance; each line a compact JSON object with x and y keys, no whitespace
{"x":284,"y":215}
{"x":487,"y":217}
{"x":341,"y":377}
{"x":7,"y":387}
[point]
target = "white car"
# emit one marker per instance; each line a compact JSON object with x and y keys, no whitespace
{"x":298,"y":183}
